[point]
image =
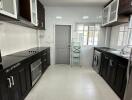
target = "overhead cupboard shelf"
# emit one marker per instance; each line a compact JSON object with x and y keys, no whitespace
{"x":111,"y":15}
{"x":27,"y":13}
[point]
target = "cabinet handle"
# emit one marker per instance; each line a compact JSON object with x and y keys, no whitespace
{"x":9,"y":80}
{"x":110,"y":63}
{"x":18,"y":64}
{"x":42,"y":24}
{"x":12,"y":80}
{"x":106,"y":57}
{"x":44,"y":54}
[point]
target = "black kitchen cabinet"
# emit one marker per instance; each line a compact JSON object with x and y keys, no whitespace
{"x":3,"y":87}
{"x":113,"y":70}
{"x":104,"y":66}
{"x":120,"y":82}
{"x":114,"y":73}
{"x":41,"y":15}
{"x":24,"y":9}
{"x":48,"y":57}
{"x":45,"y":59}
{"x":15,"y":79}
{"x":125,"y":7}
{"x":24,"y":79}
{"x":111,"y":73}
{"x":32,"y":11}
{"x":15,"y":83}
{"x":13,"y":86}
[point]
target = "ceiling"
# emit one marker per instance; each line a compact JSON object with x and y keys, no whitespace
{"x":74,"y":2}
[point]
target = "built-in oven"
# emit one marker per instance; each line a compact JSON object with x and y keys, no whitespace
{"x":96,"y":60}
{"x":36,"y":71}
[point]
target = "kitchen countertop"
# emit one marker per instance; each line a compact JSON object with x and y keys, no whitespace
{"x":112,"y":51}
{"x":12,"y":59}
{"x":8,"y":61}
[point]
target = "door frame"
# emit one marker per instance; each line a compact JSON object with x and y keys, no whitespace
{"x":71,"y":25}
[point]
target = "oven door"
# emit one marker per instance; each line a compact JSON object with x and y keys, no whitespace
{"x":36,"y":71}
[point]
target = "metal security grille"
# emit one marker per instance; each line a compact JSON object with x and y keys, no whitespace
{"x":90,"y":33}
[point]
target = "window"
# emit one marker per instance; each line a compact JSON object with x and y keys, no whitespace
{"x":130,"y":37}
{"x":89,"y":33}
{"x":123,"y":35}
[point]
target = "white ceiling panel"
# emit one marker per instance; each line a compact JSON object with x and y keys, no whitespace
{"x":74,"y":2}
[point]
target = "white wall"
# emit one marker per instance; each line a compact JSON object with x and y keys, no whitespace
{"x":71,"y":16}
{"x":14,"y":38}
{"x":114,"y":37}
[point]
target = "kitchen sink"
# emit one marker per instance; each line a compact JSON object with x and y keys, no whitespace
{"x":118,"y":52}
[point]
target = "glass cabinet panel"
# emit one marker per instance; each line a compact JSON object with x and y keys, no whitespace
{"x":105,"y":15}
{"x":34,"y":18}
{"x":8,"y":7}
{"x":113,"y":11}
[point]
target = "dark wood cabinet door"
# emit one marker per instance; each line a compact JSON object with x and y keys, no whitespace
{"x":45,"y":59}
{"x":48,"y":57}
{"x":104,"y":66}
{"x":3,"y":88}
{"x":22,"y":78}
{"x":28,"y":78}
{"x":120,"y":82}
{"x":111,"y":74}
{"x":41,"y":15}
{"x":24,"y":9}
{"x":125,"y":7}
{"x":14,"y":89}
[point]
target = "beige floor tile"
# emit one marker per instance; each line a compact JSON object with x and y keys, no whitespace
{"x":63,"y":82}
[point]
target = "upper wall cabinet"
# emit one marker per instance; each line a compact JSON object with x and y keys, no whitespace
{"x":105,"y":15}
{"x":125,"y":7}
{"x":28,"y":10}
{"x":41,"y":16}
{"x":110,"y":15}
{"x":8,"y":8}
{"x":34,"y":15}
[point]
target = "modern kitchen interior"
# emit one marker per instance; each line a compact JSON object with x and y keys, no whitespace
{"x":65,"y":49}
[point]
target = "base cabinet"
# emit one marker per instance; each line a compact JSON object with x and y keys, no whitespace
{"x":120,"y":82}
{"x":112,"y":68}
{"x":16,"y":81}
{"x":24,"y":80}
{"x":114,"y":71}
{"x":104,"y":67}
{"x":13,"y":86}
{"x":45,"y":59}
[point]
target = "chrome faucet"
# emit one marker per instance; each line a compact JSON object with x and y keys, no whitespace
{"x":123,"y":49}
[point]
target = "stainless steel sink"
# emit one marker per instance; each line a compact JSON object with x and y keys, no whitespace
{"x":118,"y":52}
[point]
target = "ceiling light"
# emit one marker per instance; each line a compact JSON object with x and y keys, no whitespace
{"x":85,"y":17}
{"x":58,"y":17}
{"x":99,"y":17}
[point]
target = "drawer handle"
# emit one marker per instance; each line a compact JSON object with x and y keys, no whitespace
{"x":18,"y":64}
{"x":12,"y":80}
{"x":9,"y":80}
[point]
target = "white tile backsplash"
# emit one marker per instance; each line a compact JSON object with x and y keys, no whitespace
{"x":14,"y":38}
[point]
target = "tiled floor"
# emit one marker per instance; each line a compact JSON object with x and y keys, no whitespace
{"x":62,"y":82}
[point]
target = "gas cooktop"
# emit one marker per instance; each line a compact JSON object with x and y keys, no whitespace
{"x":29,"y":52}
